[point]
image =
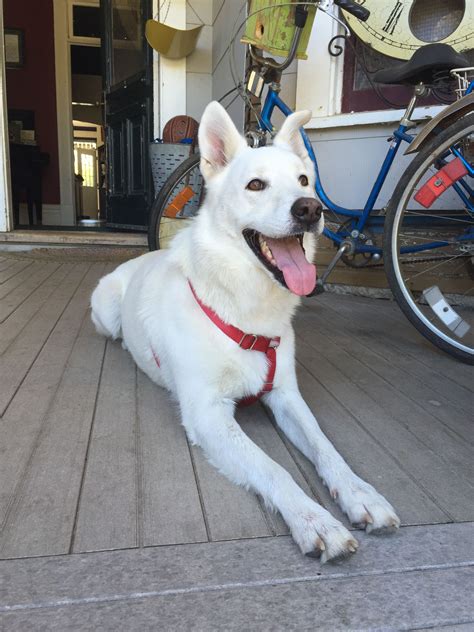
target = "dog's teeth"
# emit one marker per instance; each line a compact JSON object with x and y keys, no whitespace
{"x":265,"y":250}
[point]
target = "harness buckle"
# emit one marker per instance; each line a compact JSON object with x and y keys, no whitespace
{"x":254,"y":341}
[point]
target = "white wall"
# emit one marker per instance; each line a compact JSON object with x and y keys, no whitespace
{"x":207,"y":70}
{"x":349,"y":159}
{"x":208,"y":73}
{"x":169,"y":80}
{"x":228,"y":14}
{"x":199,"y":63}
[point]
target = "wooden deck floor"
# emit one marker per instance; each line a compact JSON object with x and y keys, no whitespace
{"x":93,"y":457}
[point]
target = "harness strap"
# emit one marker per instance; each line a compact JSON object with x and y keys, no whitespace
{"x":248,"y":342}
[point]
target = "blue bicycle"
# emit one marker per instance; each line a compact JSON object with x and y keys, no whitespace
{"x":426,"y":233}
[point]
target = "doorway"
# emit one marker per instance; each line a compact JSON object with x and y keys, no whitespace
{"x":92,"y":170}
{"x":87,"y":81}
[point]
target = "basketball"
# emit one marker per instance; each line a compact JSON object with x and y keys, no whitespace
{"x":180,"y":127}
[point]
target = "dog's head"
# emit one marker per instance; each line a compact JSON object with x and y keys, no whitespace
{"x":264,"y":197}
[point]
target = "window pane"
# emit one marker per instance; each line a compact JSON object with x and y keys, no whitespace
{"x":86,"y":21}
{"x":434,"y":20}
{"x":86,"y":60}
{"x":127,"y":40}
{"x":87,"y":164}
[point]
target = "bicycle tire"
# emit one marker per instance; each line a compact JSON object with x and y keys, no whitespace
{"x":417,"y":310}
{"x":161,"y":202}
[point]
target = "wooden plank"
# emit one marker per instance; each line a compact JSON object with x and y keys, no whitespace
{"x":6,"y":262}
{"x":41,"y":516}
{"x":15,"y":323}
{"x":11,"y":271}
{"x":454,"y":451}
{"x":256,"y":423}
{"x":415,"y":600}
{"x":18,"y":279}
{"x":403,"y":335}
{"x":377,"y":336}
{"x":231,"y":512}
{"x":17,"y":360}
{"x":308,"y":471}
{"x":57,"y":583}
{"x":172,"y":512}
{"x":437,"y":418}
{"x":23,"y":421}
{"x":109,"y":513}
{"x":442,"y":481}
{"x":366,"y":456}
{"x":38,"y":275}
{"x":387,"y":314}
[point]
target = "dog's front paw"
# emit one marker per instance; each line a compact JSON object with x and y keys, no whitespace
{"x":365,"y":507}
{"x":320,"y":535}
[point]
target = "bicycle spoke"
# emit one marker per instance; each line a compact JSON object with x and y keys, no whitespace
{"x":444,"y":262}
{"x":439,"y":217}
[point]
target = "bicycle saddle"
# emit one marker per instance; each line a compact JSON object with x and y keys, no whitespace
{"x":423,"y":65}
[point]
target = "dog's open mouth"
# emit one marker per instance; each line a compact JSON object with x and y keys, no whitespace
{"x":285,"y":258}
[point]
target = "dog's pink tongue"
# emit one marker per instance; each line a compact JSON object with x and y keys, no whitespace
{"x":300,"y":275}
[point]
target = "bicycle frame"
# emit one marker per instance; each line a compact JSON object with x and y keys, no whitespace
{"x":361,"y":217}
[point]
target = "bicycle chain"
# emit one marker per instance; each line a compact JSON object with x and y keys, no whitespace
{"x":412,"y":260}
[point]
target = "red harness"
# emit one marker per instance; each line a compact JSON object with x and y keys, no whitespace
{"x":249,"y":342}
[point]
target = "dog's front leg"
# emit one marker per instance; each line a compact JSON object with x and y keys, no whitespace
{"x":229,"y":449}
{"x":364,"y":506}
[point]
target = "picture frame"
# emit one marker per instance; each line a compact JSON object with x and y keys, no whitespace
{"x":14,"y":48}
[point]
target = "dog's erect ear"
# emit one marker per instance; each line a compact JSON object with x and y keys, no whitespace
{"x":219,"y":140}
{"x":289,"y":136}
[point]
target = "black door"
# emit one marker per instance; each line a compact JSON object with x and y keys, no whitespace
{"x":128,"y":112}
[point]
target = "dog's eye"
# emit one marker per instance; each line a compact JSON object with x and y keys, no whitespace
{"x":256,"y":185}
{"x":303,"y":180}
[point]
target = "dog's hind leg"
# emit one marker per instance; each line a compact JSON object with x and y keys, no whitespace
{"x":364,"y":506}
{"x":212,"y":426}
{"x":106,"y":299}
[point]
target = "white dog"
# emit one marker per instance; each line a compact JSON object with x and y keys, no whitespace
{"x":210,"y":320}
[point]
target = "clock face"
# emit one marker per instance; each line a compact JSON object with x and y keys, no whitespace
{"x":399,"y":27}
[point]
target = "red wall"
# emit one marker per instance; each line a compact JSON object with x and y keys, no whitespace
{"x":33,"y":87}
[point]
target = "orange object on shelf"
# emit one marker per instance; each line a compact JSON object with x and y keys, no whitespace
{"x":179,"y":202}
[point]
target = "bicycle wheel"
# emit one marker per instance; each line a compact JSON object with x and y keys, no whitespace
{"x":176,"y":204}
{"x":429,"y":241}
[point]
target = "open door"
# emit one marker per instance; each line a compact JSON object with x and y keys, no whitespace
{"x":128,"y":112}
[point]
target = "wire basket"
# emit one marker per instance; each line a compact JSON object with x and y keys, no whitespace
{"x":463,"y":77}
{"x":165,"y":158}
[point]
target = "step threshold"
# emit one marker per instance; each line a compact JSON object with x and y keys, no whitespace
{"x":76,"y":238}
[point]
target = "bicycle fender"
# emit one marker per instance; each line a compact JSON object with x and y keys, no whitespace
{"x":442,"y":120}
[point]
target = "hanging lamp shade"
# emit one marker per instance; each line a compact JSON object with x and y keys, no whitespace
{"x":170,"y":42}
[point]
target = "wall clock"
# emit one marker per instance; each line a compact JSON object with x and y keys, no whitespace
{"x":399,"y":27}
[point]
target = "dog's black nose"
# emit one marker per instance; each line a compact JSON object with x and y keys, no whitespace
{"x":307,"y":211}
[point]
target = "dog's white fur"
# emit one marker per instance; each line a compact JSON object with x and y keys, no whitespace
{"x":148,"y":302}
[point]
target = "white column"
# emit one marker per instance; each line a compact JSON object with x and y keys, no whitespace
{"x":62,"y":58}
{"x":172,"y":72}
{"x":6,"y":218}
{"x":319,"y":80}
